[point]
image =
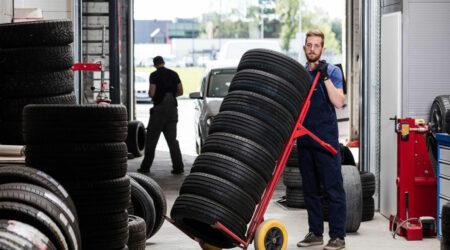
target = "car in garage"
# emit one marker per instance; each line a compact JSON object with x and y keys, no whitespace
{"x":213,"y":89}
{"x":141,"y":86}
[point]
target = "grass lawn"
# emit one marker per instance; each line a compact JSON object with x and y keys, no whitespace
{"x":190,"y":77}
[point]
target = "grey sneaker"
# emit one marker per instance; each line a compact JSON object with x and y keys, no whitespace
{"x":310,"y":240}
{"x":335,"y":244}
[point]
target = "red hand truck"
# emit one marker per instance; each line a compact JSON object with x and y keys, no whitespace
{"x":259,"y":229}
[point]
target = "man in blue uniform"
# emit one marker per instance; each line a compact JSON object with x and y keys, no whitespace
{"x":165,"y":86}
{"x":317,"y":165}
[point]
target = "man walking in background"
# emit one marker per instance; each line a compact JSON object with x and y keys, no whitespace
{"x":165,"y":86}
{"x":317,"y":165}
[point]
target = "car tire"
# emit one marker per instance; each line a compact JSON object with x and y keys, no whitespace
{"x":143,"y":206}
{"x":136,"y":138}
{"x":292,"y":177}
{"x":438,"y":114}
{"x":354,"y":197}
{"x":137,"y":234}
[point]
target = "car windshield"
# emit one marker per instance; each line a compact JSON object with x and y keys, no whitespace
{"x":219,"y":82}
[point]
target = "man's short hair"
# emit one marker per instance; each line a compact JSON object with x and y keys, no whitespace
{"x":158,"y":60}
{"x":315,"y":33}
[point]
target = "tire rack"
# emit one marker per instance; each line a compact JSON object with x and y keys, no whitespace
{"x":258,"y":217}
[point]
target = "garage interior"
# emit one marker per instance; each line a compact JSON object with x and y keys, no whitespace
{"x":387,"y":43}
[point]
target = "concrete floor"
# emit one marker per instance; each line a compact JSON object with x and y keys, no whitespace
{"x":371,"y":235}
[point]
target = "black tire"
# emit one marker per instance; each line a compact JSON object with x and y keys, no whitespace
{"x":195,"y":215}
{"x":157,"y":194}
{"x":136,"y":231}
{"x":278,"y":64}
{"x":85,"y":161}
{"x":222,"y":191}
{"x":232,"y":170}
{"x":368,"y":184}
{"x":438,"y":112}
{"x":13,"y":230}
{"x":292,"y":161}
{"x":242,"y":149}
{"x":292,"y":177}
{"x":35,"y":218}
{"x":353,"y":196}
{"x":346,"y":155}
{"x":260,"y":103}
{"x":36,"y":59}
{"x":136,"y":138}
{"x":12,"y":108}
{"x":432,"y":148}
{"x":9,"y":174}
{"x":38,"y":198}
{"x":37,"y":33}
{"x":104,"y":231}
{"x":271,"y":86}
{"x":11,"y":133}
{"x":143,"y":205}
{"x":36,"y":84}
{"x":100,"y":197}
{"x":295,"y":198}
{"x":368,"y":209}
{"x":248,"y":127}
{"x":445,"y":220}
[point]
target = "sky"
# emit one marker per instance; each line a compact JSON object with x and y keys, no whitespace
{"x":169,"y":9}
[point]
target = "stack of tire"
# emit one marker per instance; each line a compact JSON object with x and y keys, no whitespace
{"x":245,"y":139}
{"x":368,"y":190}
{"x":292,"y":179}
{"x":35,"y":62}
{"x":149,"y":203}
{"x":36,"y":212}
{"x":82,"y":146}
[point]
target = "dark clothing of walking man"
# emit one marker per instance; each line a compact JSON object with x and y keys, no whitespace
{"x":317,"y":165}
{"x":165,"y":86}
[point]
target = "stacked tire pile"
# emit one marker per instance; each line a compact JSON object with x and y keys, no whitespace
{"x":147,"y":209}
{"x":368,"y":190}
{"x":244,"y":142}
{"x":82,"y":146}
{"x":36,"y":212}
{"x":292,"y":179}
{"x":35,"y":62}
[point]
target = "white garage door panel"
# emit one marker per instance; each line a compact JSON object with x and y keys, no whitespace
{"x":427,"y":57}
{"x":391,"y":40}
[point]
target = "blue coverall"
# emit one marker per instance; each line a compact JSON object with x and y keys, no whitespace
{"x":317,"y":165}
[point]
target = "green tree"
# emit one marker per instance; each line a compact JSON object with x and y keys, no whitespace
{"x":288,"y":11}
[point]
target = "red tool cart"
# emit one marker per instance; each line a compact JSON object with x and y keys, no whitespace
{"x":271,"y":232}
{"x":416,"y":183}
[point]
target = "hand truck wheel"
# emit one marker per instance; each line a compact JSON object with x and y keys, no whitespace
{"x":271,"y":234}
{"x":206,"y":246}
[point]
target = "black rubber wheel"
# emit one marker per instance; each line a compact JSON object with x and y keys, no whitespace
{"x":270,"y":86}
{"x":242,"y":149}
{"x":83,"y":161}
{"x":41,"y":199}
{"x":278,"y":64}
{"x":136,"y":231}
{"x":36,"y":33}
{"x":232,"y":170}
{"x":292,"y":161}
{"x":12,"y":108}
{"x":368,"y":184}
{"x":438,"y":112}
{"x":35,"y":84}
{"x":136,"y":138}
{"x":100,"y":197}
{"x":260,"y":103}
{"x":432,"y":148}
{"x":353,"y":196}
{"x":196,"y":214}
{"x":248,"y":127}
{"x":36,"y":59}
{"x":295,"y":198}
{"x":222,"y":191}
{"x":157,"y":194}
{"x":292,"y":177}
{"x":445,"y":221}
{"x":30,"y":175}
{"x":346,"y":155}
{"x":17,"y":235}
{"x":32,"y":216}
{"x":143,"y":205}
{"x":368,"y":209}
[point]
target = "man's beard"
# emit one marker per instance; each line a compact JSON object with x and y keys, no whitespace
{"x":313,"y":57}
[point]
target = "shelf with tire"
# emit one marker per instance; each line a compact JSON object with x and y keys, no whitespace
{"x":36,"y":58}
